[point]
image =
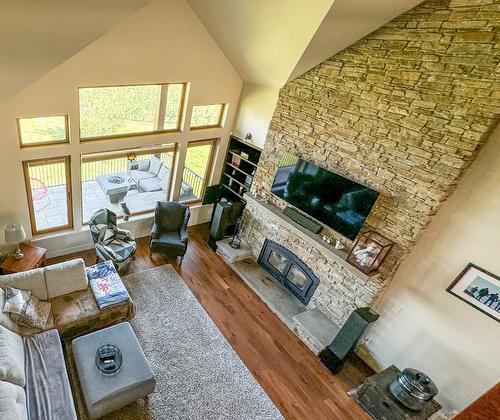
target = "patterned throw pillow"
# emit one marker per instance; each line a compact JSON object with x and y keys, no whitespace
{"x":25,"y":309}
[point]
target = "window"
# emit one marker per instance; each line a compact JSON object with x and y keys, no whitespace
{"x":43,"y":130}
{"x":126,"y":180}
{"x":197,"y":168}
{"x":206,"y":116}
{"x":118,"y":111}
{"x":48,"y":187}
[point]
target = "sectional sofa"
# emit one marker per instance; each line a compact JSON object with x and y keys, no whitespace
{"x":33,"y":379}
{"x":151,"y":175}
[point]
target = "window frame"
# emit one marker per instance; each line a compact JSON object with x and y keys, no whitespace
{"x":158,"y":115}
{"x":208,"y":170}
{"x":219,"y":123}
{"x":124,"y":152}
{"x":44,"y":143}
{"x":69,"y":193}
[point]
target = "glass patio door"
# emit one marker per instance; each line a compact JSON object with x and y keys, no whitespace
{"x":48,"y":188}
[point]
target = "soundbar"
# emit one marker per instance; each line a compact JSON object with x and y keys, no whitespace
{"x":302,"y":220}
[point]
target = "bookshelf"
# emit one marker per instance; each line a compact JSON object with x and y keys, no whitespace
{"x":238,"y":171}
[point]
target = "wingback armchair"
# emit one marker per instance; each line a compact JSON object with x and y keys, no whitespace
{"x":111,"y":242}
{"x":169,"y":232}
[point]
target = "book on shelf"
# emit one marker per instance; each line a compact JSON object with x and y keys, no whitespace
{"x":106,"y":284}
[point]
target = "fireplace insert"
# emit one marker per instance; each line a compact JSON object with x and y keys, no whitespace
{"x":289,"y":270}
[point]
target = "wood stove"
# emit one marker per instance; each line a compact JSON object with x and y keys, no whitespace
{"x":289,"y":270}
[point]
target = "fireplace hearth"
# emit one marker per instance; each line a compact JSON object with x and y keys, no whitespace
{"x":289,"y":270}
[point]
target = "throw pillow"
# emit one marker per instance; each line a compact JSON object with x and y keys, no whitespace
{"x":16,"y":300}
{"x":143,"y":165}
{"x":155,"y":166}
{"x":25,"y":309}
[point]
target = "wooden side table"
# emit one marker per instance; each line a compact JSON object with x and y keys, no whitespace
{"x":34,"y":257}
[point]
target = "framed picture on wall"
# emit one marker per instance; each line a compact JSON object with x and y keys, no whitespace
{"x":478,"y":288}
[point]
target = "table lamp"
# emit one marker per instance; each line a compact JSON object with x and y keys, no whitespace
{"x":15,"y":234}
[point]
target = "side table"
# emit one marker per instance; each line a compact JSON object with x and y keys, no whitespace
{"x":34,"y":257}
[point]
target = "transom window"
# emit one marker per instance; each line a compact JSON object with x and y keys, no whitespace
{"x":118,"y":111}
{"x":207,"y":116}
{"x":37,"y":131}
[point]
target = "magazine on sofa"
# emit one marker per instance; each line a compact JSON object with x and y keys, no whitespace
{"x":106,"y":284}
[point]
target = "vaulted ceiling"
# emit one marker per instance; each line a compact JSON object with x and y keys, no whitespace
{"x":272,"y":41}
{"x":267,"y":41}
{"x":38,"y":35}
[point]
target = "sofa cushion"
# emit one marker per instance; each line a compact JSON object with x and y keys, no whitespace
{"x":77,"y":313}
{"x":138,"y":175}
{"x":155,"y":166}
{"x":26,"y":309}
{"x":11,"y":357}
{"x":48,"y":391}
{"x":168,"y":243}
{"x":32,"y":280}
{"x":5,"y":319}
{"x":150,"y":185}
{"x":12,"y":402}
{"x":65,"y":277}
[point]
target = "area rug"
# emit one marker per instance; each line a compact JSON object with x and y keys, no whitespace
{"x":198,"y":374}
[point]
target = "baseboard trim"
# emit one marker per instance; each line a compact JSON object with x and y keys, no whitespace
{"x":365,"y":355}
{"x":65,"y":251}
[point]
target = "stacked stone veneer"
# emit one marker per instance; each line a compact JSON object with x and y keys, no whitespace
{"x":404,"y":111}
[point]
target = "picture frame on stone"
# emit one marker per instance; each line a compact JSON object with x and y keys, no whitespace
{"x":479,"y":288}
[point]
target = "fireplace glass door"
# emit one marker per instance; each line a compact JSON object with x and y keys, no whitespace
{"x":297,"y":277}
{"x":289,"y":270}
{"x":277,"y":260}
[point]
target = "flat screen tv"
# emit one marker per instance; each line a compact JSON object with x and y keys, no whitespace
{"x":329,"y":198}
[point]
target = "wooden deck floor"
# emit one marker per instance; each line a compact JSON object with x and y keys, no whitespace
{"x":293,"y":377}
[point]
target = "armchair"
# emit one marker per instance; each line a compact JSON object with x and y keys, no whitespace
{"x":111,"y":242}
{"x":169,"y":231}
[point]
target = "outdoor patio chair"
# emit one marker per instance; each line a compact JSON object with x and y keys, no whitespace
{"x":111,"y":242}
{"x":169,"y":232}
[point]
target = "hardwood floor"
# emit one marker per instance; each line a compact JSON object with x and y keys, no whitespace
{"x":293,"y":377}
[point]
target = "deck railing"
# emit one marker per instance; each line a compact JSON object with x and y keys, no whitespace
{"x":194,"y":180}
{"x":53,"y":175}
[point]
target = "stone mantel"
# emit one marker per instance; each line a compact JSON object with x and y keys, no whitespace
{"x":342,"y":287}
{"x":314,"y":239}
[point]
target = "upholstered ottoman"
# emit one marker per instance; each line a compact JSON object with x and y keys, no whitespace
{"x":104,"y":392}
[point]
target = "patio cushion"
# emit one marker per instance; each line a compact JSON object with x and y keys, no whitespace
{"x":138,"y":175}
{"x":143,"y":165}
{"x":150,"y":185}
{"x":12,"y":402}
{"x":163,"y":174}
{"x":155,"y":165}
{"x":65,"y":277}
{"x":32,"y":280}
{"x":11,"y":357}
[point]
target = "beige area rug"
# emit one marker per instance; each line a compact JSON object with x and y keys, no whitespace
{"x":198,"y":374}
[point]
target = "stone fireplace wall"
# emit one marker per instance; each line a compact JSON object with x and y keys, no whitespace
{"x":403,"y":110}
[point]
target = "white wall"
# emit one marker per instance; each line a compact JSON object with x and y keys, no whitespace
{"x":423,"y":326}
{"x":163,"y":42}
{"x":256,"y":108}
